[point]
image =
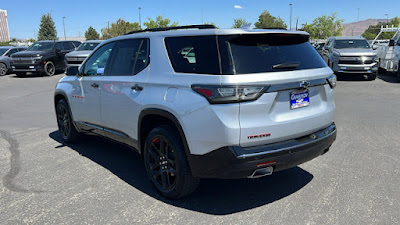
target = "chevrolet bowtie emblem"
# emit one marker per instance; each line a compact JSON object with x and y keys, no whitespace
{"x":304,"y":84}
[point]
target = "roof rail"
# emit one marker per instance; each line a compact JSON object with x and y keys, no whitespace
{"x":201,"y":26}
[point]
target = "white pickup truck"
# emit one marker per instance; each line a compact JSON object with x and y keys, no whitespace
{"x":389,"y":54}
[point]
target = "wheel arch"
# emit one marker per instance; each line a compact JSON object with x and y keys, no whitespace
{"x":153,"y":117}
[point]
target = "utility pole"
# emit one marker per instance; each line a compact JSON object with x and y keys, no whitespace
{"x":140,"y":19}
{"x":297,"y":21}
{"x":34,"y":35}
{"x":387,"y":18}
{"x":290,"y":16}
{"x":358,"y":16}
{"x":65,"y":36}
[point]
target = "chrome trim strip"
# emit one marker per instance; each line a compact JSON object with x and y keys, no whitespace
{"x":297,"y":85}
{"x":291,"y":147}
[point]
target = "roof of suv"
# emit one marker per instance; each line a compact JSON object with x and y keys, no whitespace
{"x":196,"y":32}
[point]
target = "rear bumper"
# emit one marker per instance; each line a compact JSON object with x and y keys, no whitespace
{"x":234,"y":162}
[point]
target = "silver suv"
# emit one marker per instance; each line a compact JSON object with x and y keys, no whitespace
{"x":199,"y":102}
{"x":351,"y":55}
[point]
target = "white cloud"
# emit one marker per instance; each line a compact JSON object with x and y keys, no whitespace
{"x":237,"y":7}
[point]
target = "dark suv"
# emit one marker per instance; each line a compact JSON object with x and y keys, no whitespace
{"x":42,"y":57}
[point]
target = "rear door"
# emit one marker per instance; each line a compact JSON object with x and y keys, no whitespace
{"x":298,"y":100}
{"x":124,"y":87}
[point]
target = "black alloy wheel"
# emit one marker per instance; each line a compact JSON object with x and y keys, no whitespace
{"x":3,"y":69}
{"x":162,"y":163}
{"x":49,"y":68}
{"x":65,"y":124}
{"x":166,"y":163}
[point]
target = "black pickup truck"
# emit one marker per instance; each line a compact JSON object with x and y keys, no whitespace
{"x":43,"y":57}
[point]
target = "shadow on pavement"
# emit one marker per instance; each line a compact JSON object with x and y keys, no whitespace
{"x":390,"y":78}
{"x":213,"y":196}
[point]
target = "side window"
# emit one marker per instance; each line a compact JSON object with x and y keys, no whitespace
{"x":67,"y":45}
{"x":59,"y":46}
{"x":131,"y":57}
{"x":12,"y":51}
{"x":97,"y":63}
{"x":197,"y":54}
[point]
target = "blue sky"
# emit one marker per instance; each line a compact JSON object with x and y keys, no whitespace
{"x":24,"y":18}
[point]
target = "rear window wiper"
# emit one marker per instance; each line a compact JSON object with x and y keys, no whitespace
{"x":288,"y":65}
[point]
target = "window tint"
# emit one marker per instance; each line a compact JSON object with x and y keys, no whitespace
{"x":131,"y":57}
{"x":271,"y":53}
{"x":68,"y":45}
{"x":12,"y":51}
{"x":196,"y":54}
{"x":96,"y":64}
{"x":59,"y":46}
{"x":340,"y":44}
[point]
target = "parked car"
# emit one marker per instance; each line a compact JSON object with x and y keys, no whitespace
{"x":351,"y":55}
{"x":42,"y":57}
{"x":244,"y":104}
{"x":75,"y":58}
{"x":389,"y":52}
{"x":5,"y":53}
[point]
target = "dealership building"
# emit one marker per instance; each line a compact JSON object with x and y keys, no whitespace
{"x":4,"y":33}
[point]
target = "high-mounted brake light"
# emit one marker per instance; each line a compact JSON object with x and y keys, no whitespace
{"x":229,"y":94}
{"x":332,"y":81}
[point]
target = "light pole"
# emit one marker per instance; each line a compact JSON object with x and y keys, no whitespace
{"x":290,"y":16}
{"x":65,"y":36}
{"x":140,"y":19}
{"x":297,"y":21}
{"x":387,"y":18}
{"x":358,"y":16}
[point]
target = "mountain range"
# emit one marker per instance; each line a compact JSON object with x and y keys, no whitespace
{"x":357,"y":28}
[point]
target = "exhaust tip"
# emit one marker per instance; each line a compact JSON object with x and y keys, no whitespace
{"x":261,"y":172}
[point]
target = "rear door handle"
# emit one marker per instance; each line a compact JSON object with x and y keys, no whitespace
{"x":136,"y":87}
{"x":94,"y":85}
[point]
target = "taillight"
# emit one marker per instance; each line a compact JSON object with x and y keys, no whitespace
{"x":229,"y":94}
{"x":332,"y":81}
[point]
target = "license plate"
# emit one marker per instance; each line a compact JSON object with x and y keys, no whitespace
{"x":299,"y":99}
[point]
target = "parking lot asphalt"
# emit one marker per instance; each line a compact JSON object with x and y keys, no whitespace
{"x":98,"y":181}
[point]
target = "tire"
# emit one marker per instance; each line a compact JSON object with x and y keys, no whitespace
{"x":49,"y":68}
{"x":168,"y":169}
{"x":65,"y":123}
{"x":372,"y":76}
{"x":20,"y":74}
{"x":3,"y":69}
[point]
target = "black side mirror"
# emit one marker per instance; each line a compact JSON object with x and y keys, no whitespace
{"x":72,"y":71}
{"x":391,"y":43}
{"x":326,"y":48}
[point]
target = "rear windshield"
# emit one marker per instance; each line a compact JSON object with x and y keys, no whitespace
{"x":242,"y":54}
{"x":340,"y":44}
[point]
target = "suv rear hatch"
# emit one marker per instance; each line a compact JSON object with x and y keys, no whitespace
{"x":297,"y":97}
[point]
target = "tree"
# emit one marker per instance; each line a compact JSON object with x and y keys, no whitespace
{"x":119,"y":28}
{"x":239,"y":22}
{"x":159,"y":22}
{"x":324,"y":26}
{"x":47,"y":28}
{"x":91,"y":34}
{"x":266,"y":20}
{"x":373,"y":30}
